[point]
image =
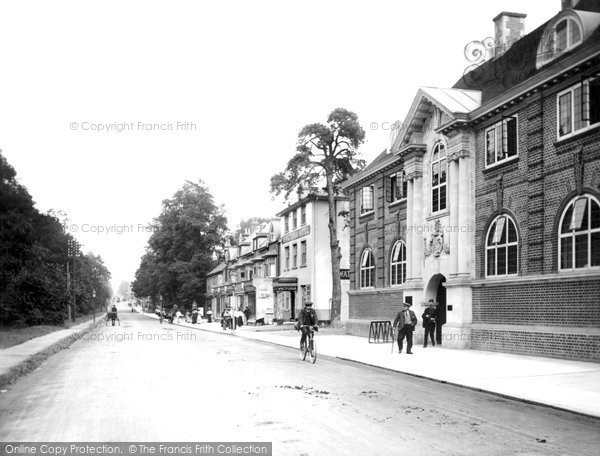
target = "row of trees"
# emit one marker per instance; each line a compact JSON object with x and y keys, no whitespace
{"x":191,"y":230}
{"x":33,"y":259}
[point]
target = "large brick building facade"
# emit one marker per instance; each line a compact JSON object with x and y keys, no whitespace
{"x":501,"y":217}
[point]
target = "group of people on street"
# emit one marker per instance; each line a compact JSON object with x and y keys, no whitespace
{"x":406,"y":321}
{"x":228,"y":316}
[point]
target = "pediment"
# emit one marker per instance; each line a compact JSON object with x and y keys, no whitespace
{"x":435,"y":105}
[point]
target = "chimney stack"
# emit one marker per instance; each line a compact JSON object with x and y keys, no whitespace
{"x":510,"y":27}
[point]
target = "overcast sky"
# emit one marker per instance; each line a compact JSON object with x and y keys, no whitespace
{"x":241,"y":77}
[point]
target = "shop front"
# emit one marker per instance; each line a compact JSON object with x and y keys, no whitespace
{"x":285,"y":290}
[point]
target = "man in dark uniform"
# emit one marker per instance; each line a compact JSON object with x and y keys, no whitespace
{"x":405,"y":323}
{"x":429,"y":323}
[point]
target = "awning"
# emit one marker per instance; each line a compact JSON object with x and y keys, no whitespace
{"x":285,"y":284}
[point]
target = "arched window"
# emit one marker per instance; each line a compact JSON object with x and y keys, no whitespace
{"x":367,"y":269}
{"x":438,"y":178}
{"x":560,"y":37}
{"x":579,"y":237}
{"x":398,"y":264}
{"x":502,"y":247}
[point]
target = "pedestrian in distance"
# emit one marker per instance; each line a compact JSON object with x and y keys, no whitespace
{"x":239,"y":318}
{"x":227,"y":319}
{"x":429,"y":323}
{"x":209,"y":315}
{"x":405,"y":323}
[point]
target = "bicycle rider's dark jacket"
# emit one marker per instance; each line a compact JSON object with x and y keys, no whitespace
{"x":308,"y":317}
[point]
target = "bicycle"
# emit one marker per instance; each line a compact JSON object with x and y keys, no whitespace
{"x":309,"y":349}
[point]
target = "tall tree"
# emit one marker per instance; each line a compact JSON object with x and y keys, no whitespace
{"x":326,"y":155}
{"x":123,"y":291}
{"x":180,"y":252}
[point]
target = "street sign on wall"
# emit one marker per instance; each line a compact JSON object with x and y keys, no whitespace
{"x":301,"y":232}
{"x":345,"y":274}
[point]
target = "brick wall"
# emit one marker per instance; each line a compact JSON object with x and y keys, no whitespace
{"x":375,"y":306}
{"x":537,"y":187}
{"x":580,"y":347}
{"x":379,"y":232}
{"x":566,"y":303}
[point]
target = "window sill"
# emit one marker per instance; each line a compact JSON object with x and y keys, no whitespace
{"x":397,"y":202}
{"x":438,"y":215}
{"x":507,"y":163}
{"x":501,"y":277}
{"x":366,"y":217}
{"x":579,"y":270}
{"x":502,"y":162}
{"x":571,"y":137}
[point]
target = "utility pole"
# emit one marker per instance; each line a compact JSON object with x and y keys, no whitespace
{"x":73,"y":250}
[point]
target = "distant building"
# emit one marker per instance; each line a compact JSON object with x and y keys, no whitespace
{"x":489,"y":200}
{"x":305,"y":258}
{"x":244,"y":279}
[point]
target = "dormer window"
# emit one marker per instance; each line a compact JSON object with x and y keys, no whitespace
{"x":561,"y":35}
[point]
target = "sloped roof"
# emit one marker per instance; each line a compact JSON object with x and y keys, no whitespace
{"x":220,"y":267}
{"x":520,"y":63}
{"x":453,"y":101}
{"x":384,"y":159}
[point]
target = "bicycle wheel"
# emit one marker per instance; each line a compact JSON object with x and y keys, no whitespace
{"x":313,"y":351}
{"x":303,"y":351}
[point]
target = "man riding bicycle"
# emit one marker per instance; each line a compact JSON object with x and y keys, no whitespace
{"x":307,"y":320}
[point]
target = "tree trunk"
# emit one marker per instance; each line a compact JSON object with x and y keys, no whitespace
{"x":336,"y":293}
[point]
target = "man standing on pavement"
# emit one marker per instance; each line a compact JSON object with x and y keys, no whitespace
{"x":405,"y":323}
{"x":429,"y":323}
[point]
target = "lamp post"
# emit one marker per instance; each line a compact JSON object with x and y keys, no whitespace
{"x":94,"y":304}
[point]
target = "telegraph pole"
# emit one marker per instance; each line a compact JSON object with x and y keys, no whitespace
{"x":73,"y":250}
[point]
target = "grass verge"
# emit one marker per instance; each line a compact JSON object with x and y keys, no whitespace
{"x":10,"y":336}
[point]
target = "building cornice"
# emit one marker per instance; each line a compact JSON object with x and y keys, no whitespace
{"x":307,"y":199}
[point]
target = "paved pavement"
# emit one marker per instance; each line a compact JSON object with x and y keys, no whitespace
{"x":562,"y":384}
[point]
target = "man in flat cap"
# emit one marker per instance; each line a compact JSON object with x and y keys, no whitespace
{"x":405,"y":323}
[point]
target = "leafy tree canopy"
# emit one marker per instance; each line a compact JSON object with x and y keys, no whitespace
{"x":324,"y":152}
{"x":181,"y":250}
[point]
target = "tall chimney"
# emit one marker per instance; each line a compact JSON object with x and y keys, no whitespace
{"x":510,"y":27}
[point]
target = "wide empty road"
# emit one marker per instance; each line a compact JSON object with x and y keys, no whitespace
{"x":143,"y":381}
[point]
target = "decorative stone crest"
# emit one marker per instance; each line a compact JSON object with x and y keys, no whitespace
{"x":435,"y":244}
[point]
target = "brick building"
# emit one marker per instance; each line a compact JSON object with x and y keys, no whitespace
{"x":501,"y":217}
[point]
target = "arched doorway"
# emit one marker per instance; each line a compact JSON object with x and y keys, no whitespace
{"x":437,"y":291}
